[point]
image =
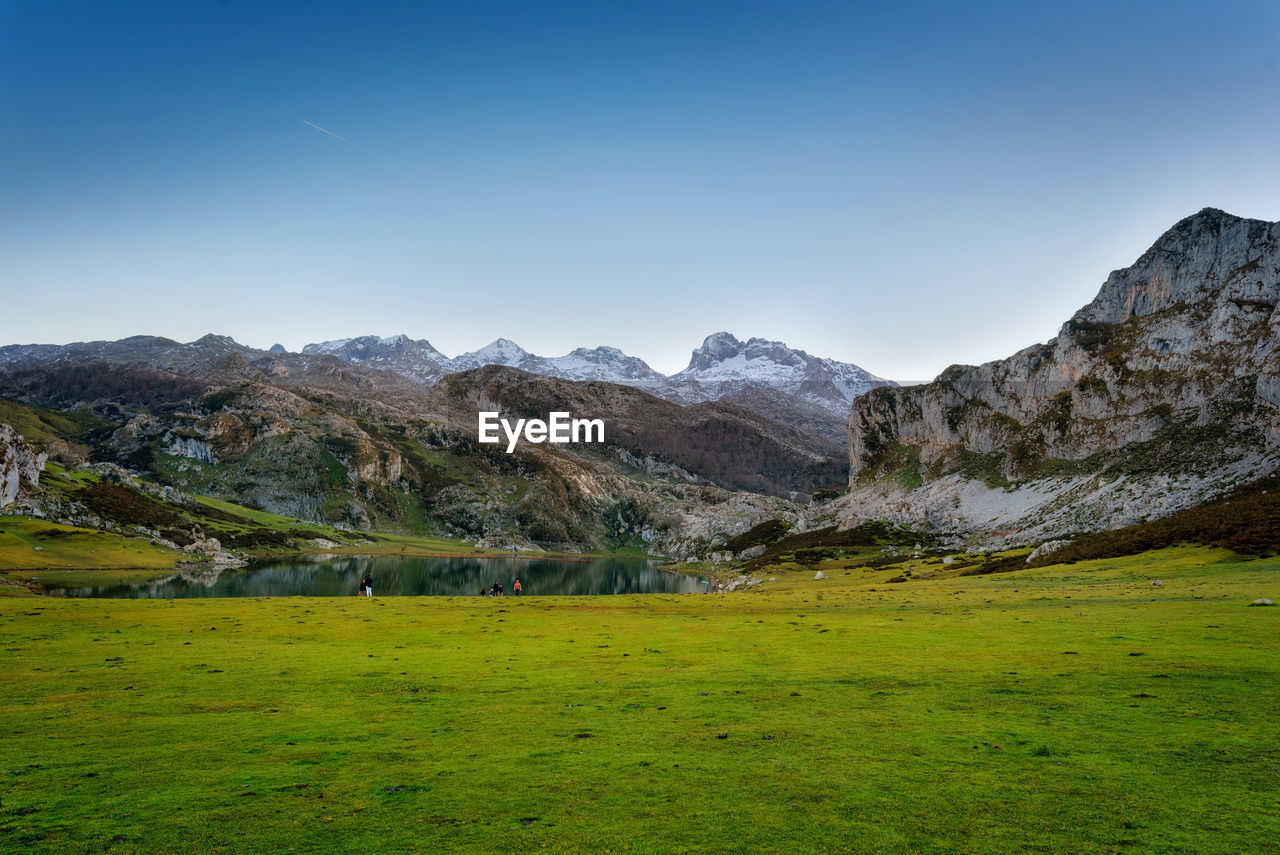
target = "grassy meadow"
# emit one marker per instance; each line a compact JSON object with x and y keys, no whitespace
{"x":1064,"y":709}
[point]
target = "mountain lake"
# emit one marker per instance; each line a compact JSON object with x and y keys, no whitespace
{"x":336,"y":576}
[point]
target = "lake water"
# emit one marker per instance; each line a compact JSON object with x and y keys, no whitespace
{"x":406,"y":576}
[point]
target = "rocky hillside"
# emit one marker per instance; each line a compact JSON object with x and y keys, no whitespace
{"x":1160,"y":393}
{"x":710,"y":443}
{"x":353,"y":448}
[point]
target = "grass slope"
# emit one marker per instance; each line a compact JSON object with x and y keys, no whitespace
{"x":33,"y":551}
{"x":1064,"y":709}
{"x":44,"y":427}
{"x":31,"y":547}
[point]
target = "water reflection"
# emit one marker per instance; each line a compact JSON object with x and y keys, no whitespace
{"x":396,"y":576}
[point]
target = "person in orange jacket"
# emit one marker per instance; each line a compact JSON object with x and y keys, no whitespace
{"x":516,"y":587}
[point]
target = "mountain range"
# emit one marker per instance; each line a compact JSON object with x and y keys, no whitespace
{"x":766,"y":376}
{"x":1160,"y":394}
{"x":372,"y":436}
{"x":756,"y":373}
{"x":420,"y":361}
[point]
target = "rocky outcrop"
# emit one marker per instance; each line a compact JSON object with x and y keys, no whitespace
{"x":20,"y":466}
{"x":1157,"y":395}
{"x":191,"y":447}
{"x":272,"y":448}
{"x":1045,"y":548}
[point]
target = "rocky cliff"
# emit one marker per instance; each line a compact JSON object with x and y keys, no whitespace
{"x":1161,"y":392}
{"x":20,"y":466}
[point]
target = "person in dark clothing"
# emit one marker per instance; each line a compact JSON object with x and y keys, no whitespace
{"x":366,"y":585}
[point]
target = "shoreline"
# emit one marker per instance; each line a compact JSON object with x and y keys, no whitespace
{"x":30,"y":581}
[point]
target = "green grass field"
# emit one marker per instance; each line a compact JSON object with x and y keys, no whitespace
{"x":1065,"y":709}
{"x":32,"y":548}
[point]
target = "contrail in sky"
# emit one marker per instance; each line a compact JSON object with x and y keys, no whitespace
{"x":336,"y":136}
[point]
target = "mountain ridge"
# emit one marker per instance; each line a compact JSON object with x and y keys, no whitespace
{"x":706,"y":363}
{"x":1160,"y":393}
{"x":767,"y":376}
{"x":753,"y":372}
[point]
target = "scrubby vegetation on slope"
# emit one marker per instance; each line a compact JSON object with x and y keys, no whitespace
{"x":867,"y":542}
{"x":1246,"y":522}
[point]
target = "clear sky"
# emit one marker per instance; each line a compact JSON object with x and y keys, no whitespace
{"x":899,"y":185}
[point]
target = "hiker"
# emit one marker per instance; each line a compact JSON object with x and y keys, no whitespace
{"x":516,"y":587}
{"x":360,"y":591}
{"x":498,"y":587}
{"x":366,"y":585}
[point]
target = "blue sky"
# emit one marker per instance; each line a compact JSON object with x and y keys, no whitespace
{"x":899,"y":187}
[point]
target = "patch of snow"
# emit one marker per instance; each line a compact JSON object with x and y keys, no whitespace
{"x":327,"y":346}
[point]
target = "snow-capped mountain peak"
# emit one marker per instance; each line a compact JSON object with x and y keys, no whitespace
{"x":372,"y":348}
{"x":723,"y":356}
{"x":503,"y":346}
{"x":327,"y":346}
{"x":602,"y":363}
{"x":417,"y":360}
{"x":724,"y":366}
{"x":502,"y":351}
